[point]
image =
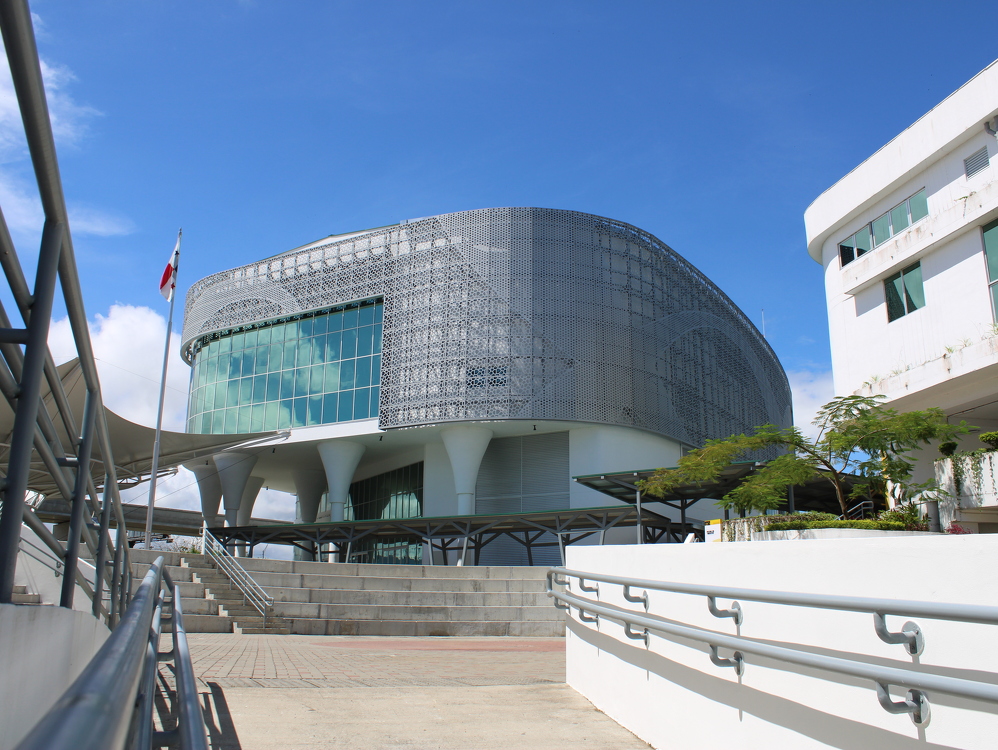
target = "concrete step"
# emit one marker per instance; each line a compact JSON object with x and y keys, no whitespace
{"x":20,"y":589}
{"x":410,"y":598}
{"x":275,"y":581}
{"x":241,"y":612}
{"x":256,"y":565}
{"x":223,"y":595}
{"x":404,"y":628}
{"x":376,"y":611}
{"x":25,"y":598}
{"x":261,"y":631}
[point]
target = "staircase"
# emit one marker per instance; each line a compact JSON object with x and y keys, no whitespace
{"x":210,"y":602}
{"x":313,"y":598}
{"x":409,"y":600}
{"x":21,"y":596}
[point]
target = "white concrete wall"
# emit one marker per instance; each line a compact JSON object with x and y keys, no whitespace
{"x":603,"y":448}
{"x":948,"y":245}
{"x":42,"y":650}
{"x":672,"y":696}
{"x":36,"y":571}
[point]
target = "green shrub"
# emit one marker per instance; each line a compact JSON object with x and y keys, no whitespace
{"x":948,"y":448}
{"x":835,"y":523}
{"x":990,"y":439}
{"x":907,"y":514}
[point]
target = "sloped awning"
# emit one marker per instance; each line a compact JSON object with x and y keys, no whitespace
{"x":131,"y":443}
{"x":816,"y":493}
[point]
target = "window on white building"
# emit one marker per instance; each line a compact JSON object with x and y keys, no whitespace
{"x":881,"y":229}
{"x":904,"y":292}
{"x":991,"y":253}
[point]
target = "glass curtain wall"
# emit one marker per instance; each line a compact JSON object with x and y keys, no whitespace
{"x":309,"y":369}
{"x":394,"y":494}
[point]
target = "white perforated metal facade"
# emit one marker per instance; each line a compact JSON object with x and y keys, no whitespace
{"x":525,"y":313}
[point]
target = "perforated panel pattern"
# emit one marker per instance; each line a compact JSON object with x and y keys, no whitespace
{"x":526,"y":313}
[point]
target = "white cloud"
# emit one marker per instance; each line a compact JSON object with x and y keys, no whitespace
{"x":128,"y":346}
{"x":70,"y":122}
{"x":93,"y":221}
{"x":811,"y":390}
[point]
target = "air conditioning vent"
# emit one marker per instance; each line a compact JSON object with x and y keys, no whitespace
{"x":976,"y":162}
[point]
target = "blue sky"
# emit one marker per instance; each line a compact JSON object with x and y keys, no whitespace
{"x":260,"y":126}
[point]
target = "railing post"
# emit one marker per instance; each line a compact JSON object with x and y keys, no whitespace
{"x":26,"y":415}
{"x":79,"y":503}
{"x":101,"y":562}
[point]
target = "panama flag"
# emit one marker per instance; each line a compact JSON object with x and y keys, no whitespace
{"x":169,"y":281}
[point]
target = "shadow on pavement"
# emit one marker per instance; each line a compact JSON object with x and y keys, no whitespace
{"x":221,"y":731}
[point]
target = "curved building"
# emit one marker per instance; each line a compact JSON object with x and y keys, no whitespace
{"x":502,"y":350}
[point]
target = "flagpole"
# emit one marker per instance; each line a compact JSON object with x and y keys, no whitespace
{"x":159,"y":417}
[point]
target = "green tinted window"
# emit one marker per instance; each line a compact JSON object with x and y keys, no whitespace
{"x":918,"y":206}
{"x":899,"y":218}
{"x":881,"y":229}
{"x":991,"y":250}
{"x":904,"y":292}
{"x":314,"y":370}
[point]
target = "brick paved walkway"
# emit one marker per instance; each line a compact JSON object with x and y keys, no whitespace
{"x":263,"y":692}
{"x":290,"y":661}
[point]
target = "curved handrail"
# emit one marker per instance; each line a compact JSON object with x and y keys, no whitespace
{"x":916,"y":704}
{"x":979,"y":613}
{"x":97,"y":712}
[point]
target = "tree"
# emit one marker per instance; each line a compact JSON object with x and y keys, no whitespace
{"x":856,"y":435}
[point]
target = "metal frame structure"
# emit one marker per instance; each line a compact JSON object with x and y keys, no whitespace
{"x":570,"y":317}
{"x":111,"y":703}
{"x":916,"y":704}
{"x":25,"y":361}
{"x":99,"y":709}
{"x":466,"y":533}
{"x":816,"y":494}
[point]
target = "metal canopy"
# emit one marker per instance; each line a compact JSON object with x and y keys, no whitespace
{"x":815,"y":494}
{"x":131,"y":443}
{"x":545,"y":529}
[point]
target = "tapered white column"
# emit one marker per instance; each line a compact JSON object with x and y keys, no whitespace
{"x":233,"y":472}
{"x":245,"y":512}
{"x":340,"y":459}
{"x":309,"y":486}
{"x":209,"y":486}
{"x":465,"y":444}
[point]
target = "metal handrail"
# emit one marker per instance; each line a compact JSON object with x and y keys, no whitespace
{"x":252,"y":591}
{"x":916,"y":704}
{"x":26,"y":362}
{"x":110,"y":704}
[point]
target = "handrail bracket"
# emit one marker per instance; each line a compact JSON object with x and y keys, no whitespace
{"x":916,"y":704}
{"x":735,"y":611}
{"x":736,"y":661}
{"x":910,"y":635}
{"x":642,"y":599}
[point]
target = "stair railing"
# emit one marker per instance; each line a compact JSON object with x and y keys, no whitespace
{"x":252,"y":591}
{"x":112,"y":702}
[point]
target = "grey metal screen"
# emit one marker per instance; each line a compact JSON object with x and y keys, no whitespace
{"x":525,"y":313}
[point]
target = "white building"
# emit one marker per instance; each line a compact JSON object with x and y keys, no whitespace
{"x":909,"y":244}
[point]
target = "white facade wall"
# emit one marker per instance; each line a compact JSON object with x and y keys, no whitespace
{"x":42,"y":651}
{"x":944,"y":354}
{"x":671,"y":695}
{"x":949,"y":246}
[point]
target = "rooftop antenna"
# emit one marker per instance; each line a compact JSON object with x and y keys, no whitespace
{"x":764,"y":322}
